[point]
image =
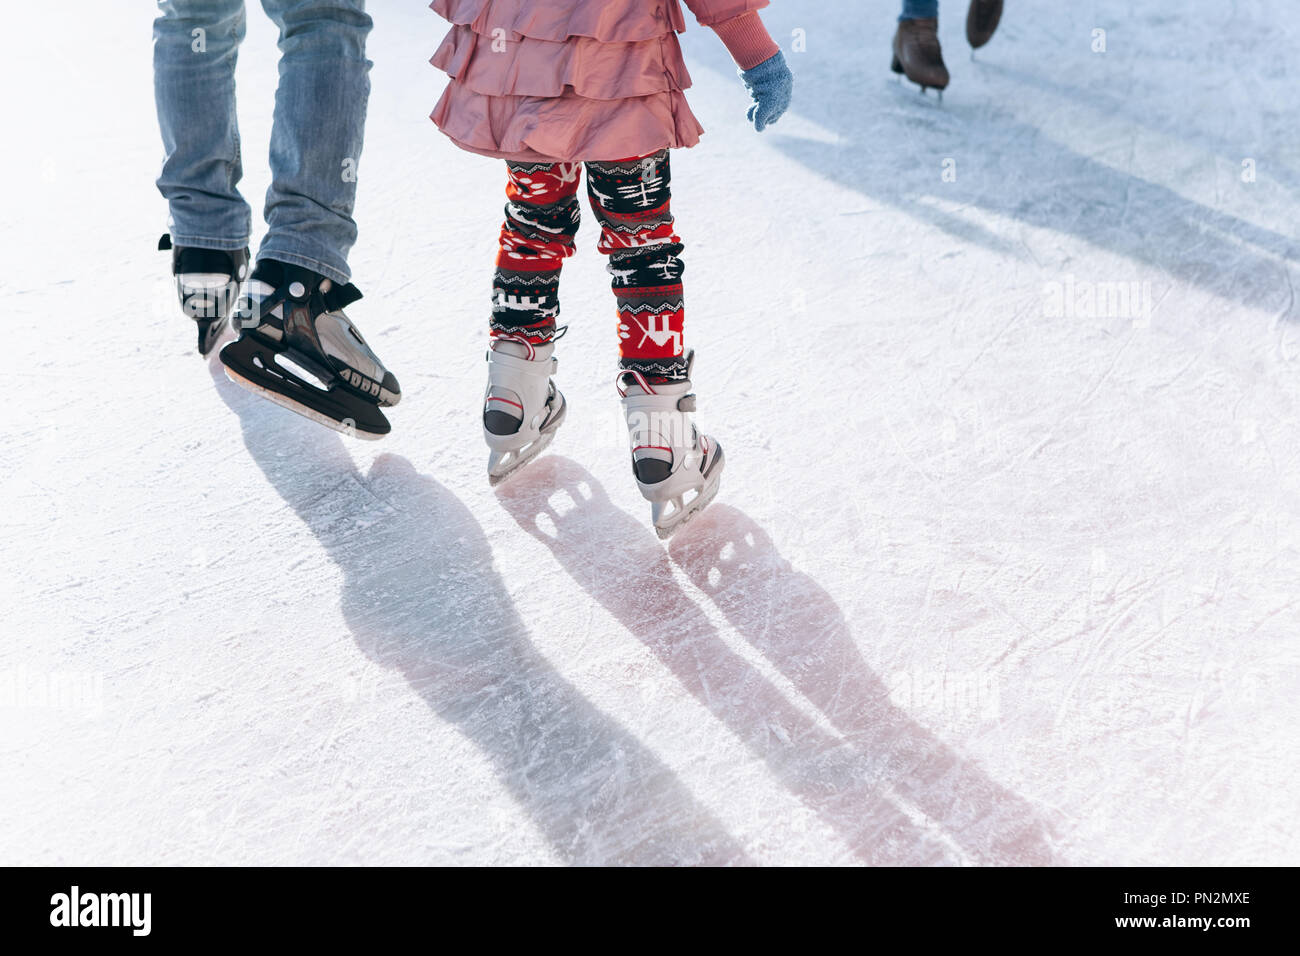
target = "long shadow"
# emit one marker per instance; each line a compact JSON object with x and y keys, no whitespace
{"x":890,"y":143}
{"x":891,"y":791}
{"x":1116,"y":104}
{"x":794,"y":623}
{"x":1057,"y":189}
{"x":422,"y":598}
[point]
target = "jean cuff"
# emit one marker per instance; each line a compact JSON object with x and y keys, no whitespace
{"x":343,"y":276}
{"x":208,"y":242}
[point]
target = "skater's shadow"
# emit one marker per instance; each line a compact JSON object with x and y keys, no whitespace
{"x":889,"y":145}
{"x":421,"y":597}
{"x":791,"y":620}
{"x":1187,"y":128}
{"x":892,"y":792}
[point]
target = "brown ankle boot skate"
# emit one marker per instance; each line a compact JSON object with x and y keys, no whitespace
{"x":981,"y":20}
{"x":917,"y":53}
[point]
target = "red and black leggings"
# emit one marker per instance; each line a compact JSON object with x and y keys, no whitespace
{"x":631,"y":200}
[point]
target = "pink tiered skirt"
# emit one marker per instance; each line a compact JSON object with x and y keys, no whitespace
{"x":585,"y":80}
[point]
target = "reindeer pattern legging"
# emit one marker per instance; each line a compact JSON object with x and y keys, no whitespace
{"x":631,"y":200}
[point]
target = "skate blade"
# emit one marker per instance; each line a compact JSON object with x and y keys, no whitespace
{"x":921,"y":90}
{"x":209,"y":333}
{"x":667,"y":526}
{"x":305,"y":411}
{"x":503,"y":464}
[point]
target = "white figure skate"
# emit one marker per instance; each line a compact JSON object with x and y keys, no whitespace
{"x":677,"y":467}
{"x":522,"y":408}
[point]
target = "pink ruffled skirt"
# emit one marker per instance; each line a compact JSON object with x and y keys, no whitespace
{"x":581,"y":81}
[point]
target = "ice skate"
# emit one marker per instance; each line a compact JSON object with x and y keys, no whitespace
{"x":917,"y":54}
{"x":981,"y":21}
{"x":297,"y":348}
{"x":522,"y":408}
{"x":677,"y":467}
{"x":207,"y":283}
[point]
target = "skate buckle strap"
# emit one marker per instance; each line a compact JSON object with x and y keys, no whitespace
{"x":640,"y":380}
{"x":283,"y":277}
{"x":512,"y":337}
{"x":338,"y":297}
{"x":503,"y":363}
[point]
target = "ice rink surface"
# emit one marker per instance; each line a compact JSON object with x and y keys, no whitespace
{"x":1006,"y":563}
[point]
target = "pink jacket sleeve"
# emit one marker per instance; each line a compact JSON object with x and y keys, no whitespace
{"x":709,"y":12}
{"x":737,"y":24}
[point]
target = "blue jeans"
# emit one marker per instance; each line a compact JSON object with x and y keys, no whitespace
{"x":319,"y":126}
{"x":920,"y":9}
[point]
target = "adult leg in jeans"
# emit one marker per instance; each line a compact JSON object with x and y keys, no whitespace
{"x":320,"y":116}
{"x":196,"y":43}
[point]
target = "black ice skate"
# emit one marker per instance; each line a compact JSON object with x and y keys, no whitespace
{"x":207,"y":283}
{"x":298,"y":349}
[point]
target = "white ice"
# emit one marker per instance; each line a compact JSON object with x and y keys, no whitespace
{"x":986,"y":582}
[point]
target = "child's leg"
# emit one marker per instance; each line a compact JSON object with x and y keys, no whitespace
{"x":677,"y":467}
{"x":631,"y":198}
{"x":538,"y":235}
{"x":522,"y":408}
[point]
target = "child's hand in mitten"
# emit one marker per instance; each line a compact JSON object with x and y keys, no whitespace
{"x":770,"y":86}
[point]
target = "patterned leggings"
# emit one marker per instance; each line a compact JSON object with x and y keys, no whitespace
{"x":631,"y":201}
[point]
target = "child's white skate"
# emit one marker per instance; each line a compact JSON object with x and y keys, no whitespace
{"x":522,"y":408}
{"x":677,"y":467}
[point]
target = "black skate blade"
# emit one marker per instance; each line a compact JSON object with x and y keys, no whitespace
{"x":334,"y":408}
{"x":209,"y":332}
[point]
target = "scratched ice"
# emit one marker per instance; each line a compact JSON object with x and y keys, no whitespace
{"x":1004,"y":567}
